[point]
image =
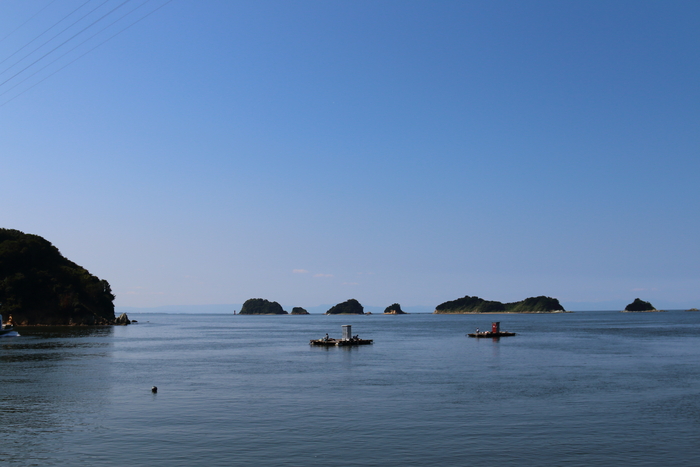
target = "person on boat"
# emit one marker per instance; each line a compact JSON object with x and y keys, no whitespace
{"x":326,"y":338}
{"x":477,"y":330}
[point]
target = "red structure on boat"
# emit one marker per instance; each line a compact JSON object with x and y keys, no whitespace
{"x":495,"y":331}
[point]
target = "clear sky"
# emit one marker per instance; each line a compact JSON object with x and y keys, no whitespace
{"x":309,"y":152}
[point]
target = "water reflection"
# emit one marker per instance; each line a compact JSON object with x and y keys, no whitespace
{"x":53,"y":378}
{"x":66,"y":332}
{"x":44,"y":343}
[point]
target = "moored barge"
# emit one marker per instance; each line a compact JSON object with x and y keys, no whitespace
{"x":494,"y":332}
{"x":347,"y":340}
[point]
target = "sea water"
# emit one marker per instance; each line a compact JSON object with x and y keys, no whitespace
{"x":578,"y":389}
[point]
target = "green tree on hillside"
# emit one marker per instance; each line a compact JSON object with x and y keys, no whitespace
{"x":38,"y":285}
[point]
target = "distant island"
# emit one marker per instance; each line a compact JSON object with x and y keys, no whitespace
{"x":350,"y":307}
{"x":39,"y":286}
{"x":260,"y":306}
{"x":469,"y":304}
{"x":297,"y":310}
{"x":639,"y":305}
{"x":394,"y":309}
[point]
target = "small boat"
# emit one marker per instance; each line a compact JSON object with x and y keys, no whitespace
{"x":7,"y":330}
{"x":491,"y":334}
{"x":494,"y":332}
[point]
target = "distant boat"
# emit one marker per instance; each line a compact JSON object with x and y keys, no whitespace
{"x":491,"y":334}
{"x":494,"y":332}
{"x":7,"y":330}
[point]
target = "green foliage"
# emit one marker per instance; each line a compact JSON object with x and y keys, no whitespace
{"x":469,"y":304}
{"x":394,"y":309}
{"x":540,"y":303}
{"x":639,"y":305}
{"x":38,"y":285}
{"x":297,"y":310}
{"x":260,"y":306}
{"x":350,"y":307}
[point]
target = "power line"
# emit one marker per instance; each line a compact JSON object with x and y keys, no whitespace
{"x":54,"y":37}
{"x":67,"y":40}
{"x":37,"y":37}
{"x":75,"y":47}
{"x":85,"y":53}
{"x":31,"y":18}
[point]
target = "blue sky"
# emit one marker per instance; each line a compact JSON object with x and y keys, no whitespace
{"x":390,"y":151}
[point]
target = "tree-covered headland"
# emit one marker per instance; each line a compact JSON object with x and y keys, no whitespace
{"x":260,"y":306}
{"x":469,"y":304}
{"x":394,"y":309}
{"x":640,"y":305}
{"x":350,"y":307}
{"x":38,"y":285}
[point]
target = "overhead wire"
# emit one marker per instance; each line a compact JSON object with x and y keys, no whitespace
{"x":55,"y":36}
{"x":75,"y":47}
{"x":88,"y":51}
{"x":66,"y":41}
{"x":30,"y":18}
{"x":37,"y":37}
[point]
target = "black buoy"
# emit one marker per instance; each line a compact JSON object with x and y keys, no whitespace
{"x":154,"y":389}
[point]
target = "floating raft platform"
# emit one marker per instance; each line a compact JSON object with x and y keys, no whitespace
{"x":347,"y":340}
{"x":494,"y":332}
{"x":491,"y":334}
{"x":340,"y":342}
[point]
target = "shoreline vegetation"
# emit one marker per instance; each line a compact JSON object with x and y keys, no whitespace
{"x":349,"y":307}
{"x":476,"y":305}
{"x":640,"y":306}
{"x":394,"y":309}
{"x":40,"y":287}
{"x":260,"y":306}
{"x":501,"y":312}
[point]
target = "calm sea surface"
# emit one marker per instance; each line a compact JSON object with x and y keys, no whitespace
{"x":580,"y":389}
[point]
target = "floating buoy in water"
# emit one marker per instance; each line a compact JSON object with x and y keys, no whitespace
{"x":154,"y":389}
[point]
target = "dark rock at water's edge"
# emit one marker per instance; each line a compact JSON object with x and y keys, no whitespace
{"x":350,"y":307}
{"x":260,"y":306}
{"x":39,"y":286}
{"x":394,"y":309}
{"x":469,"y":304}
{"x":297,"y":310}
{"x":692,"y":309}
{"x":123,"y":319}
{"x":640,"y":305}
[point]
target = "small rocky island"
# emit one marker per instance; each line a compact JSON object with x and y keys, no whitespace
{"x":394,"y":309}
{"x":350,"y":307}
{"x":260,"y":306}
{"x":39,"y":286}
{"x":469,"y":304}
{"x":639,"y":305}
{"x":297,"y":310}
